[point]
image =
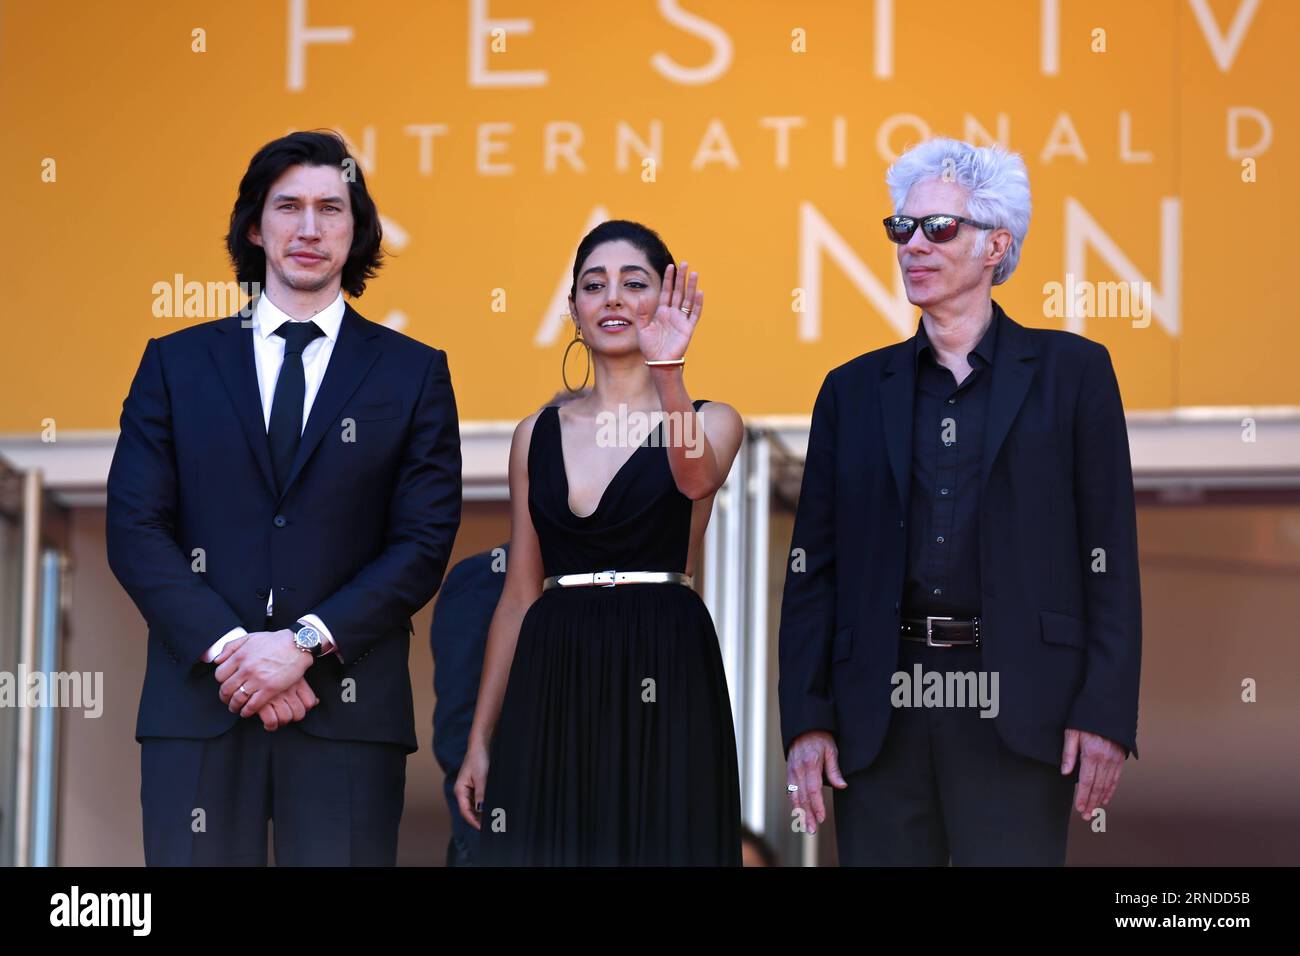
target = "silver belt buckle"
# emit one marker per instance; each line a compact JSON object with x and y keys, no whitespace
{"x":929,"y":631}
{"x":603,"y":579}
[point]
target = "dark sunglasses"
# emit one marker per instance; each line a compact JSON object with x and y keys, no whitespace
{"x":937,"y":228}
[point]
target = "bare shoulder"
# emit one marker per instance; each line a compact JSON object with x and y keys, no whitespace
{"x":721,"y":415}
{"x":724,"y":429}
{"x":524,"y":431}
{"x":522,"y":439}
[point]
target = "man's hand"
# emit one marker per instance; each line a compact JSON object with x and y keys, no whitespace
{"x":810,"y":755}
{"x":290,"y":706}
{"x":265,"y":663}
{"x":1099,"y":769}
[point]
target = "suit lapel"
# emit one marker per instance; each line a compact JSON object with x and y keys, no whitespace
{"x":897,"y":388}
{"x":232,"y":350}
{"x":354,"y":353}
{"x":1013,"y":370}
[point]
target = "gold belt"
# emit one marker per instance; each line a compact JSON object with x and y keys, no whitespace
{"x":608,"y":579}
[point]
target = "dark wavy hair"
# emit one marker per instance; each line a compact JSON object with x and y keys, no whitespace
{"x":312,"y":148}
{"x":641,"y":237}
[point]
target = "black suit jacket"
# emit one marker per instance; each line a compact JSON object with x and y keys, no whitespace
{"x":458,"y":638}
{"x":1056,"y":485}
{"x":360,"y":536}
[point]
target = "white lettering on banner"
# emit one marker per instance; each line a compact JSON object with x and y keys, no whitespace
{"x":817,"y":237}
{"x":884,"y":33}
{"x":1126,"y":153}
{"x":977,"y":135}
{"x":425,"y":132}
{"x":487,"y":147}
{"x":1049,"y":38}
{"x":782,"y":126}
{"x":1261,"y":144}
{"x":298,"y":36}
{"x":1063,"y":140}
{"x":715,"y":147}
{"x":365,"y":154}
{"x":1083,"y":232}
{"x":555,"y":320}
{"x":1224,"y":48}
{"x":711,"y":145}
{"x":626,"y":137}
{"x":698,"y":27}
{"x":487,"y":33}
{"x":481,"y":28}
{"x":563,"y":140}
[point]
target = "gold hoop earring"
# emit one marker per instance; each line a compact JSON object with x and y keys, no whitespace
{"x":564,"y":362}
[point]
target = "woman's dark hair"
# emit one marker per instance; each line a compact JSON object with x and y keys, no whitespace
{"x":641,"y":237}
{"x":314,"y":148}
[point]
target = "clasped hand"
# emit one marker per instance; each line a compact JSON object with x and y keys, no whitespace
{"x":262,"y":673}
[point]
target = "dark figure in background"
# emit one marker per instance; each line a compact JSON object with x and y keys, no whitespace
{"x":457,"y":638}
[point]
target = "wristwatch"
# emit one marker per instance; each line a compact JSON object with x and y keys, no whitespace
{"x":307,"y":639}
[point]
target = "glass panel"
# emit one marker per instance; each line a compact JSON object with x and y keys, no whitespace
{"x":11,"y":554}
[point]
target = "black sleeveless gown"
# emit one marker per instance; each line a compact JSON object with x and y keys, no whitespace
{"x":615,"y":744}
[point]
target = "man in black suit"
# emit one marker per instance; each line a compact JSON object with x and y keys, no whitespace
{"x":966,"y":520}
{"x":283,"y":497}
{"x":458,"y":638}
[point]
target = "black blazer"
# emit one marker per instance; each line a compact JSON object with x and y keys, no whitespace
{"x":360,"y":536}
{"x":1056,"y":484}
{"x":458,"y":638}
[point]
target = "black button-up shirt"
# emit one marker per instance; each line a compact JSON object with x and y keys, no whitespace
{"x":948,"y":421}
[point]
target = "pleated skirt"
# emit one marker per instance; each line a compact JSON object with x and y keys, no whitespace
{"x":615,"y":744}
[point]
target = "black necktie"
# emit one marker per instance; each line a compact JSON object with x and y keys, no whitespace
{"x":285,"y":430}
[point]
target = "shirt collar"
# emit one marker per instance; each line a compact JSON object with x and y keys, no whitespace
{"x":270,"y":317}
{"x":984,"y":348}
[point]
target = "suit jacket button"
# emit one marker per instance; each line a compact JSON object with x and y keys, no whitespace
{"x":280,"y":521}
{"x":261,"y":592}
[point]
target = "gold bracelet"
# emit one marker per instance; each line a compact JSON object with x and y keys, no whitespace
{"x":662,"y":363}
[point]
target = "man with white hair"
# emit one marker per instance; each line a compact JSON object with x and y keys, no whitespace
{"x":966,"y":520}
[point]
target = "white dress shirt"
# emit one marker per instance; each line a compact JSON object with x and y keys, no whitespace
{"x":268,"y":356}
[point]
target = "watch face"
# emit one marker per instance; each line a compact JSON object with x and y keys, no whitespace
{"x":308,"y":637}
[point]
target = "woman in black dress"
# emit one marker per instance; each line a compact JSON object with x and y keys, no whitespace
{"x":603,"y":731}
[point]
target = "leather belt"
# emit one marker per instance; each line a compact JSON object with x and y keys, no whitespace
{"x":936,"y":631}
{"x":608,"y":579}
